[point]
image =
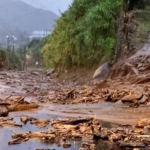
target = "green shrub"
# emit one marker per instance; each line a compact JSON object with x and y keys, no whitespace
{"x":84,"y":35}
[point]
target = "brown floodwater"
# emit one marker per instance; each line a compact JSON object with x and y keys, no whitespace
{"x":110,"y":112}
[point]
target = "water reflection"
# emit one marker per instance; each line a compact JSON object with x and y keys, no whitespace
{"x":7,"y":132}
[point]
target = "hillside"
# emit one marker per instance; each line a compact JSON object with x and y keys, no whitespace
{"x":89,"y":34}
{"x":53,"y":5}
{"x":19,"y":16}
{"x":6,"y":29}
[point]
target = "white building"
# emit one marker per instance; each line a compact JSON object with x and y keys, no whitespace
{"x":39,"y":34}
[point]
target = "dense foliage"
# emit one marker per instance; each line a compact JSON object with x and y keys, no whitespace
{"x":87,"y":33}
{"x":14,"y":61}
{"x":35,"y":49}
{"x":2,"y":55}
{"x":84,"y":35}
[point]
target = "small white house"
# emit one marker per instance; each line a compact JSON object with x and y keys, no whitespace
{"x":39,"y":34}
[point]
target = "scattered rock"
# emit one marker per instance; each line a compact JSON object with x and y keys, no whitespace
{"x":49,"y":72}
{"x":102,"y":71}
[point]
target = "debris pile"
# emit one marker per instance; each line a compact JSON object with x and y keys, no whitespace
{"x":16,"y":104}
{"x":94,"y":94}
{"x":8,"y":122}
{"x":39,"y":123}
{"x":135,"y":69}
{"x":92,"y":129}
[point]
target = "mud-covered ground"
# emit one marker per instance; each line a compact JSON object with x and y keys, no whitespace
{"x":121,"y":99}
{"x":39,"y":88}
{"x":51,"y":96}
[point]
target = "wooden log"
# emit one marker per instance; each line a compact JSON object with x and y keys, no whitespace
{"x":5,"y":119}
{"x":5,"y":103}
{"x":17,"y":141}
{"x":132,"y":145}
{"x":21,"y":107}
{"x":35,"y":135}
{"x":10,"y":123}
{"x":40,"y":123}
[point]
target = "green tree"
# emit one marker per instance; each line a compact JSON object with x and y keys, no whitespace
{"x":84,"y":35}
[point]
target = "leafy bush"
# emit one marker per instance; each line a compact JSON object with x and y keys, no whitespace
{"x":84,"y":35}
{"x":2,"y":55}
{"x":14,"y":61}
{"x":35,"y":49}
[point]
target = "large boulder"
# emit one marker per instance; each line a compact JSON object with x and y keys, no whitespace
{"x":102,"y":71}
{"x":50,"y":71}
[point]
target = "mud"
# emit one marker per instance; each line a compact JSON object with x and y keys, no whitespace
{"x":123,"y":98}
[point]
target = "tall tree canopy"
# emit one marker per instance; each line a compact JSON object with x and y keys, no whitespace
{"x":84,"y":34}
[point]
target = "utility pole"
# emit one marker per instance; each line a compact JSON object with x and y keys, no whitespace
{"x":24,"y":52}
{"x":7,"y":52}
{"x":14,"y":39}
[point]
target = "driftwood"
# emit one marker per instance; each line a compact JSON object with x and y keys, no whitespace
{"x":3,"y":111}
{"x":132,"y":145}
{"x":5,"y":119}
{"x":25,"y":119}
{"x":9,"y":123}
{"x":4,"y":103}
{"x":34,"y":135}
{"x":22,"y":137}
{"x":71,"y":122}
{"x":17,"y":141}
{"x":40,"y":123}
{"x":21,"y":107}
{"x":90,"y":129}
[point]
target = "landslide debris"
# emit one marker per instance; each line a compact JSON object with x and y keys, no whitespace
{"x":85,"y":128}
{"x":39,"y":123}
{"x":132,"y":96}
{"x":135,"y":69}
{"x":128,"y":81}
{"x":8,"y":122}
{"x":16,"y":104}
